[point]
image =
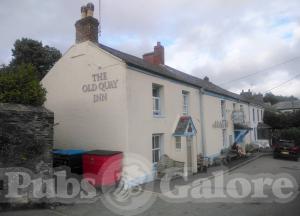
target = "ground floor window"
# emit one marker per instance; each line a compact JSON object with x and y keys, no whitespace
{"x":224,"y":133}
{"x":178,"y":142}
{"x":156,"y":147}
{"x":255,"y":134}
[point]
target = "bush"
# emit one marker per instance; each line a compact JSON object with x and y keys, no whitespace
{"x":291,"y":134}
{"x":279,"y":120}
{"x":21,"y":85}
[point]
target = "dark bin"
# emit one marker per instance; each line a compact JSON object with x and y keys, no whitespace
{"x":71,"y":158}
{"x":103,"y":167}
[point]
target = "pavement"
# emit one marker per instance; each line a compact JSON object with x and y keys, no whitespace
{"x":260,"y":165}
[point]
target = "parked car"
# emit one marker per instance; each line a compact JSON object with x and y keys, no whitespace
{"x":286,"y":149}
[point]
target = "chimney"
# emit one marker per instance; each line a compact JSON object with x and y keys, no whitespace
{"x":206,"y":79}
{"x":87,"y":27}
{"x":157,"y":57}
{"x":90,"y":9}
{"x":83,"y":12}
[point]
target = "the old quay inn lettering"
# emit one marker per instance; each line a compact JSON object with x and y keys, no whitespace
{"x":100,"y":86}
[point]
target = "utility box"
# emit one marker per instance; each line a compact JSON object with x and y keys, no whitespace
{"x":71,"y":158}
{"x":102,"y":168}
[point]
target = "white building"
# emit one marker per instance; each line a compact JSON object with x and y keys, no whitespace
{"x":288,"y":106}
{"x":109,"y":100}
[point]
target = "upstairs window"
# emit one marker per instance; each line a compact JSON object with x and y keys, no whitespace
{"x":253,"y":114}
{"x":223,"y":109}
{"x":258,"y":119}
{"x":185,"y":96}
{"x":234,"y":106}
{"x":241,"y":108}
{"x":156,"y":100}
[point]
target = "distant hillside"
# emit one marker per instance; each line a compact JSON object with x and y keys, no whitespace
{"x":273,"y":99}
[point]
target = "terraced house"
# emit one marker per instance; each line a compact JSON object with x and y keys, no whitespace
{"x":110,"y":100}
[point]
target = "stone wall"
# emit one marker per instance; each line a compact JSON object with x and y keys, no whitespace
{"x":26,"y":138}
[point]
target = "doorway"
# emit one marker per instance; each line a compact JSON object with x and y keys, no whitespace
{"x":189,"y":143}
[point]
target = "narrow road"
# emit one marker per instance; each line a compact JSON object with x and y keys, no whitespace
{"x":262,"y":165}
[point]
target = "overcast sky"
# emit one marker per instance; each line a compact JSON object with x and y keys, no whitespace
{"x":221,"y":39}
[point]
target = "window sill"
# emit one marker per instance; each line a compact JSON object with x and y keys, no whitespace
{"x":158,"y":116}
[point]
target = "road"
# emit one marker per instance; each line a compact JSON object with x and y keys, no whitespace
{"x":262,"y":165}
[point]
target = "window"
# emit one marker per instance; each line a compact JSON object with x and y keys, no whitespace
{"x":258,"y":115}
{"x":255,"y":133}
{"x":156,"y":97}
{"x":156,"y":145}
{"x":241,"y":108}
{"x":185,"y":96}
{"x":223,"y":109}
{"x":253,"y":114}
{"x":224,"y":133}
{"x":234,"y":106}
{"x":178,"y":142}
{"x":230,"y":140}
{"x":261,"y":115}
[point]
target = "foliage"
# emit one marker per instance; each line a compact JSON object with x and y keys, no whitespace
{"x":279,"y":120}
{"x":291,"y":134}
{"x":273,"y":99}
{"x":21,"y":85}
{"x":28,"y":51}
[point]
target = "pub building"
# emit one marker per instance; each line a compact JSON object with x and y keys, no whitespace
{"x":105,"y":99}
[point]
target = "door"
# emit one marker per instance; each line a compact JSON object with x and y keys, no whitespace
{"x":189,"y":143}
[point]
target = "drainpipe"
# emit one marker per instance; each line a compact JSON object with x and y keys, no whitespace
{"x":202,"y":123}
{"x":249,"y":115}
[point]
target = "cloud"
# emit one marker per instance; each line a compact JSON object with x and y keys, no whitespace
{"x":224,"y":40}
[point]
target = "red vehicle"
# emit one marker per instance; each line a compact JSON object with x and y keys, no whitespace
{"x":286,"y":149}
{"x":102,"y":167}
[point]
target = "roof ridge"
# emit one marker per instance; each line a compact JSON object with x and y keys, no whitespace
{"x":170,"y":72}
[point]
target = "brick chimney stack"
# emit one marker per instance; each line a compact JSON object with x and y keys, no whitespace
{"x":87,"y":27}
{"x":157,"y":57}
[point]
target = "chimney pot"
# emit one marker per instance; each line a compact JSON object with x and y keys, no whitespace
{"x":206,"y":79}
{"x":157,"y":57}
{"x":90,"y":9}
{"x":87,"y":27}
{"x":83,"y":11}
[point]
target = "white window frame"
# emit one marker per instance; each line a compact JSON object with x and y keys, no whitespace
{"x":156,"y":147}
{"x":223,"y":109}
{"x":242,"y":108}
{"x":156,"y":106}
{"x":185,"y":97}
{"x":178,"y":143}
{"x":156,"y":101}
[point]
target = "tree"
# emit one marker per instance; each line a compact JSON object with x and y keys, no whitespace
{"x":28,"y":51}
{"x":273,"y":99}
{"x":21,"y":85}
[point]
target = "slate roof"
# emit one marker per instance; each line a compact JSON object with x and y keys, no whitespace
{"x":182,"y":125}
{"x":287,"y":105}
{"x":169,"y":72}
